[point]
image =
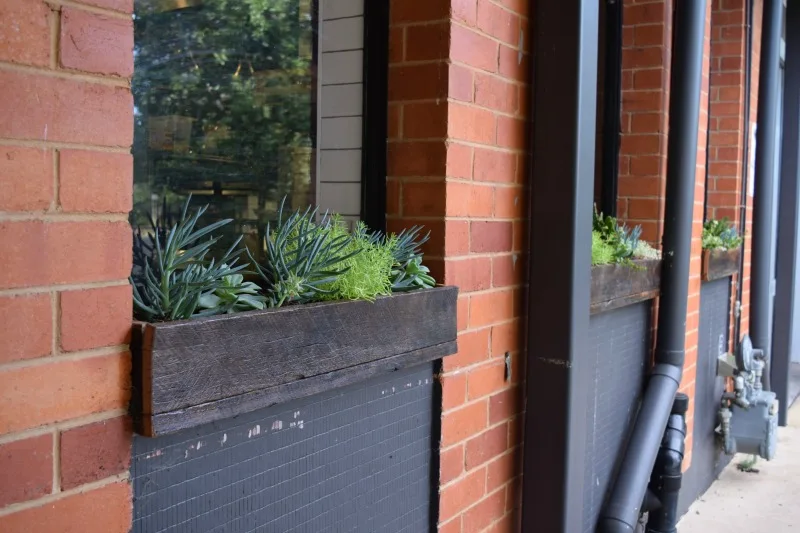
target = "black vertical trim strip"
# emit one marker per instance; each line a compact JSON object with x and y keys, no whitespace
{"x":612,"y":107}
{"x":561,"y":178}
{"x":375,"y":117}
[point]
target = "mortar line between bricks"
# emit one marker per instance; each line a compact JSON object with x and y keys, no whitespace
{"x":55,"y":30}
{"x":55,"y":145}
{"x":51,"y":498}
{"x":55,"y":204}
{"x":91,"y":9}
{"x":24,"y":291}
{"x":66,"y":75}
{"x":57,"y":325}
{"x":492,"y":38}
{"x":56,"y":461}
{"x":62,"y":426}
{"x":71,"y":356}
{"x":463,"y":142}
{"x":54,"y":322}
{"x":60,"y":216}
{"x":485,"y":495}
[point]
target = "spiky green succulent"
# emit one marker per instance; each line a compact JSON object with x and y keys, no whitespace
{"x":234,"y":295}
{"x":173,"y":271}
{"x":720,"y":235}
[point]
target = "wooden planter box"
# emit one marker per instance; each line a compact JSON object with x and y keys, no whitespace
{"x":720,"y":263}
{"x":191,"y":372}
{"x":615,"y":286}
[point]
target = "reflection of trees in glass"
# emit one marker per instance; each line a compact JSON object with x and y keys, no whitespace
{"x":223,"y":91}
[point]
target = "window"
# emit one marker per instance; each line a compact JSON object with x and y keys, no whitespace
{"x":244,"y":102}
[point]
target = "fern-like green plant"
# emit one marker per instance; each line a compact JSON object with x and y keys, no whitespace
{"x":622,"y":241}
{"x":303,"y":258}
{"x":602,"y":252}
{"x":720,"y":235}
{"x":174,"y":273}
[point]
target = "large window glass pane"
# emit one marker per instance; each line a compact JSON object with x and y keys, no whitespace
{"x":225,"y":109}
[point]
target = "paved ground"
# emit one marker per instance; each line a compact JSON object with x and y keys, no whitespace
{"x":763,"y":502}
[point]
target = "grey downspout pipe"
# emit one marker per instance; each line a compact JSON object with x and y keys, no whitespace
{"x":621,"y":511}
{"x":766,"y":141}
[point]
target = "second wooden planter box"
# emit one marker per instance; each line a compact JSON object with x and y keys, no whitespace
{"x":187,"y":373}
{"x":615,"y":286}
{"x":720,"y":263}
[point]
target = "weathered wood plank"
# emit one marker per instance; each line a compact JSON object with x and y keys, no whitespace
{"x":614,"y":286}
{"x":720,"y":263}
{"x":185,"y":365}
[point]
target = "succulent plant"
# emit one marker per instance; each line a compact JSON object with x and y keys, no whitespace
{"x":234,"y":295}
{"x":720,"y":235}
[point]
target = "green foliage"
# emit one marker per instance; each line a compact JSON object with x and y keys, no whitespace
{"x":602,"y":252}
{"x":171,"y":272}
{"x":234,"y":295}
{"x":622,"y":243}
{"x":367,"y":269}
{"x":645,"y":251}
{"x":303,"y":258}
{"x":720,"y":235}
{"x":408,"y":272}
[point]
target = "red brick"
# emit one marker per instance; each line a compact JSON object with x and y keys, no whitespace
{"x":507,"y":270}
{"x":513,"y":64}
{"x":416,"y":159}
{"x":486,"y":379}
{"x":511,"y":133}
{"x":506,"y":337}
{"x":648,"y":34}
{"x":25,"y":32}
{"x":96,"y":317}
{"x":54,"y":109}
{"x":645,"y":165}
{"x":454,"y":391}
{"x":640,"y":186}
{"x":464,"y":11}
{"x":504,"y":405}
{"x":462,"y":312}
{"x":509,"y":202}
{"x":461,"y":83}
{"x":471,"y":274}
{"x":26,"y":327}
{"x":641,"y":144}
{"x":27,"y":467}
{"x":490,"y":236}
{"x":427,"y":42}
{"x":404,"y":11}
{"x":643,"y":100}
{"x":44,"y":253}
{"x":643,"y":209}
{"x":496,"y":93}
{"x":456,"y":237}
{"x":418,"y":82}
{"x":451,"y":464}
{"x":456,"y":497}
{"x":96,"y":43}
{"x":424,"y":198}
{"x":95,"y":451}
{"x":487,"y":511}
{"x":653,"y":56}
{"x":463,"y":423}
{"x":473,"y":49}
{"x":494,"y":165}
{"x":459,"y":161}
{"x":636,"y":14}
{"x":520,"y":235}
{"x":502,"y":470}
{"x":42,"y":394}
{"x":497,"y":22}
{"x":486,"y":446}
{"x":453,"y":526}
{"x":95,"y":182}
{"x":646,"y":123}
{"x":473,"y":347}
{"x":125,"y":6}
{"x":392,"y":197}
{"x":471,"y":124}
{"x":104,"y":510}
{"x":425,"y":120}
{"x":396,"y":45}
{"x":508,"y":524}
{"x":26,"y":178}
{"x":467,"y":199}
{"x":491,"y":308}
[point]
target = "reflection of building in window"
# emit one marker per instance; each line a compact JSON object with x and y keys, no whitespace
{"x":233,"y":99}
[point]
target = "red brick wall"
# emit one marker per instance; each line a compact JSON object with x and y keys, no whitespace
{"x":458,"y":102}
{"x":646,"y":56}
{"x":66,"y":125}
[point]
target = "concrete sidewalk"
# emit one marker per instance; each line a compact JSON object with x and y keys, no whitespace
{"x":763,"y":502}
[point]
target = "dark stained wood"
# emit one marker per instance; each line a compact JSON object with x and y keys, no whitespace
{"x":191,"y":372}
{"x":720,"y":263}
{"x":616,"y":286}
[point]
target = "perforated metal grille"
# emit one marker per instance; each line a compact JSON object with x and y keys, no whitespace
{"x":619,"y":343}
{"x":356,"y":459}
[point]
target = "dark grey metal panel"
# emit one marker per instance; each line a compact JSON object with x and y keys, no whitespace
{"x":354,"y":459}
{"x":707,"y":458}
{"x":619,"y":353}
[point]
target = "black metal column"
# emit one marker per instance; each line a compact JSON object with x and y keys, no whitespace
{"x":766,"y":138}
{"x":787,"y":214}
{"x":562,"y":176}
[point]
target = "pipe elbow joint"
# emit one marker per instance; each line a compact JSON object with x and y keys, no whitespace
{"x":613,"y":525}
{"x":672,"y":461}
